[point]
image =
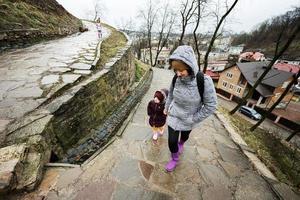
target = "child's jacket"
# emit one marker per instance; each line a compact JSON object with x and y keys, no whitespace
{"x":156,"y":113}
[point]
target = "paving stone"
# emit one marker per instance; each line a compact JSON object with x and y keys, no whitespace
{"x":33,"y":92}
{"x":82,"y":66}
{"x":68,"y":177}
{"x":125,"y":192}
{"x":3,"y":124}
{"x":137,"y":133}
{"x":285,"y":191}
{"x":50,"y":79}
{"x":127,"y":170}
{"x":156,"y":152}
{"x":97,"y":190}
{"x":188,"y":192}
{"x":252,"y":186}
{"x":163,"y":179}
{"x":86,"y":72}
{"x":217,"y":192}
{"x":70,"y":78}
{"x":204,"y":154}
{"x":213,"y":175}
{"x":57,"y":64}
{"x":231,"y":169}
{"x":60,"y":69}
{"x":146,"y":169}
{"x":234,"y":156}
{"x":35,"y":128}
{"x":188,"y":173}
{"x":225,"y":141}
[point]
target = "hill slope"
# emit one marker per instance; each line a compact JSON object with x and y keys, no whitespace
{"x":24,"y":21}
{"x":266,"y":35}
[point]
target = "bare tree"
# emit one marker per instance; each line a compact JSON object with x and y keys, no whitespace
{"x":187,"y":11}
{"x":200,"y":9}
{"x":278,"y":53}
{"x":287,"y":89}
{"x":166,"y":25}
{"x":99,"y":9}
{"x":214,"y":37}
{"x":149,"y":16}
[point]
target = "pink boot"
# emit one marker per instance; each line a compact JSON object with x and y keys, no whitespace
{"x":180,"y":147}
{"x":173,"y":162}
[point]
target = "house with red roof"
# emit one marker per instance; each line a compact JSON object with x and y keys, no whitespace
{"x":235,"y":81}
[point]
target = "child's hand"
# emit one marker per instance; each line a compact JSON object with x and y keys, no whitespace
{"x":165,"y":112}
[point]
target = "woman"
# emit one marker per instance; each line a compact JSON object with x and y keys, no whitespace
{"x":184,"y":105}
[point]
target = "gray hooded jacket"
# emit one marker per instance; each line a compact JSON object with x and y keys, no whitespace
{"x":185,"y":110}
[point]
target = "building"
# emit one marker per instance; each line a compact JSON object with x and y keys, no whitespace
{"x":235,"y":81}
{"x":287,"y":67}
{"x":250,"y":56}
{"x":236,"y":50}
{"x":163,"y":57}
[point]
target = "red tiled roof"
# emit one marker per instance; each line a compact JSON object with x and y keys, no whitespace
{"x":252,"y":56}
{"x":212,"y":74}
{"x":287,"y":67}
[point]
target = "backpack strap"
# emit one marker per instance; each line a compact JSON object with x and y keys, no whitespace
{"x":174,"y":81}
{"x":200,"y":84}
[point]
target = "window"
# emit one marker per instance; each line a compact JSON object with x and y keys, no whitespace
{"x":243,"y":81}
{"x":229,"y":75}
{"x":239,"y":90}
{"x":224,"y":84}
{"x":231,"y":86}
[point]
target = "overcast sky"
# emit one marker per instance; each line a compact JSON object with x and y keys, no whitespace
{"x":246,"y":15}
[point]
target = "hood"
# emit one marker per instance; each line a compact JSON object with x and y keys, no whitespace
{"x":186,"y":54}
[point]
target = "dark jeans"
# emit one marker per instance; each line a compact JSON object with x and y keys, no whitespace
{"x":173,"y":138}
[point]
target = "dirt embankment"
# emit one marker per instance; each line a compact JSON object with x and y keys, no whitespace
{"x":24,"y":22}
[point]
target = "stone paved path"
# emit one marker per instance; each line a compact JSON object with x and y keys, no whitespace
{"x":29,"y":76}
{"x":132,"y":167}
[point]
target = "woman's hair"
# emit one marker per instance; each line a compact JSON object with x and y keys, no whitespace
{"x":189,"y":69}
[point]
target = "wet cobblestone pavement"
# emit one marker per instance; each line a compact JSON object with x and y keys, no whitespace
{"x":132,"y":167}
{"x":28,"y":77}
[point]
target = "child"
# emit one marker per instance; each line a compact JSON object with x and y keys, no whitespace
{"x":156,"y":112}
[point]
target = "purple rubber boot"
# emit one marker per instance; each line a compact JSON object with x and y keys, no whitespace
{"x":173,"y":162}
{"x":180,"y":146}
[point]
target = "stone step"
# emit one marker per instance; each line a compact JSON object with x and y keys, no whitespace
{"x":32,"y":172}
{"x":11,"y":166}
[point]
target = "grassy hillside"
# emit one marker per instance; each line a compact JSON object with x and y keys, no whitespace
{"x":46,"y":15}
{"x":24,"y":22}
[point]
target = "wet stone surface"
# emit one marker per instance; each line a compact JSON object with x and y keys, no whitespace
{"x":211,"y":166}
{"x":34,"y":73}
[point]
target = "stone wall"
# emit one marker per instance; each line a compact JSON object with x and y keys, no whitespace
{"x":76,"y":119}
{"x":20,"y":38}
{"x":68,"y":120}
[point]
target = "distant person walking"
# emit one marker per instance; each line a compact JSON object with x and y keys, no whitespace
{"x":185,"y":106}
{"x":99,"y":28}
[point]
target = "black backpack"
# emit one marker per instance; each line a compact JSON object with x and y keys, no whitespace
{"x":200,"y":83}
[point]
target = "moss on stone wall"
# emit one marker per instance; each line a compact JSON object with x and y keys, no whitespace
{"x":92,"y":104}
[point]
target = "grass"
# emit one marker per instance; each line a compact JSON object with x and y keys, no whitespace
{"x":111,"y":45}
{"x":284,"y":162}
{"x":23,"y":15}
{"x":140,"y":69}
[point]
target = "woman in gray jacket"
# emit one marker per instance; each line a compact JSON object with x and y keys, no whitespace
{"x":184,"y":105}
